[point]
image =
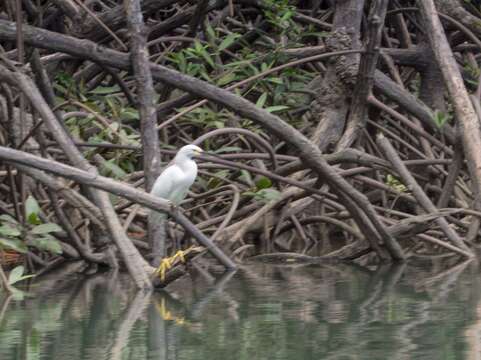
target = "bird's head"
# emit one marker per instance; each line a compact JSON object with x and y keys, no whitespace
{"x":189,"y":151}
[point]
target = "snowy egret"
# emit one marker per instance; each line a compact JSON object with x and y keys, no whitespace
{"x":174,"y":182}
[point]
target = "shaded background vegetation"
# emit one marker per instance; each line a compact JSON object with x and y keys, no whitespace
{"x":289,"y":96}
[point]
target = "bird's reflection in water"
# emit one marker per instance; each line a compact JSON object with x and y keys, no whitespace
{"x":260,"y":311}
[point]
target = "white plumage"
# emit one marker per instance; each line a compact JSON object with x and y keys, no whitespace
{"x":174,"y":182}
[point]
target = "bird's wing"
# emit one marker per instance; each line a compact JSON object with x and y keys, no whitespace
{"x":179,"y":194}
{"x":165,"y":183}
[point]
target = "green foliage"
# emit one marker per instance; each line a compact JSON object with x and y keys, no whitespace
{"x":262,"y":100}
{"x":9,"y":233}
{"x":17,"y":237}
{"x":64,"y":83}
{"x":263,"y":183}
{"x":246,"y":177}
{"x":440,"y":118}
{"x":47,"y":243}
{"x":13,"y":244}
{"x":276,"y":108}
{"x":227,"y":149}
{"x":472,"y":74}
{"x":201,"y":50}
{"x":46,"y":229}
{"x":110,"y":168}
{"x":217,"y":179}
{"x":228,"y":41}
{"x":263,"y":190}
{"x":206,"y":117}
{"x":105,"y":90}
{"x":9,"y":230}
{"x":279,"y":13}
{"x":31,"y":211}
{"x":395,"y":184}
{"x":274,"y":92}
{"x":210,"y":60}
{"x":195,"y":61}
{"x":108,"y":101}
{"x":17,"y":274}
{"x":265,"y":195}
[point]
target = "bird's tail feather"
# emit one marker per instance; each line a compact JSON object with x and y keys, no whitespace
{"x":157,"y":216}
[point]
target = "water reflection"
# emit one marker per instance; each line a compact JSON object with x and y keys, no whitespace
{"x":429,"y":311}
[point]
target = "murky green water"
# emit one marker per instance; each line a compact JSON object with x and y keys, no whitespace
{"x":261,"y":312}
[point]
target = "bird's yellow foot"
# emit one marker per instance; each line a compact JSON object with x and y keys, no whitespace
{"x":179,"y":255}
{"x":165,"y":265}
{"x":168,"y":262}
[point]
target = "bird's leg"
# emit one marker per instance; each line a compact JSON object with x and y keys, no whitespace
{"x":185,"y":240}
{"x":165,"y":265}
{"x":169,"y":262}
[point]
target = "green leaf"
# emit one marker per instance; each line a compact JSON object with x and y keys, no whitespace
{"x":205,"y":76}
{"x":267,"y":195}
{"x":211,"y":32}
{"x":8,"y":230}
{"x":216,"y":181}
{"x":276,"y":108}
{"x":440,"y":118}
{"x":247,"y":177}
{"x":275,"y":80}
{"x":287,"y":15}
{"x":8,"y":218}
{"x":114,"y":106}
{"x":33,"y":219}
{"x":46,"y":228}
{"x":263,"y":183}
{"x":181,"y":60}
{"x":394,"y":183}
{"x":16,"y":275}
{"x":262,"y":100}
{"x":32,"y":210}
{"x":203,"y":52}
{"x":114,"y":168}
{"x":228,"y":41}
{"x":64,"y":78}
{"x":129,"y":114}
{"x":227,"y":149}
{"x":218,"y":124}
{"x":13,"y":244}
{"x":226,"y":79}
{"x":319,"y":34}
{"x":47,"y":243}
{"x":103,"y":90}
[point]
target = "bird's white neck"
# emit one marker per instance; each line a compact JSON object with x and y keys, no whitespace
{"x":184,"y":162}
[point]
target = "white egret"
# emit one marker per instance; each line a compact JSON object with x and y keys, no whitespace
{"x":173,"y":184}
{"x":176,"y":179}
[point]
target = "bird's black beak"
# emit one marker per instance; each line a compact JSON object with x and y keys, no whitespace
{"x":207,"y":154}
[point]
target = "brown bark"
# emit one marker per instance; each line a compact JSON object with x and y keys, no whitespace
{"x":356,"y":202}
{"x":118,"y":188}
{"x":148,"y":116}
{"x":465,"y":114}
{"x":418,"y":192}
{"x":365,"y":78}
{"x":329,"y":108}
